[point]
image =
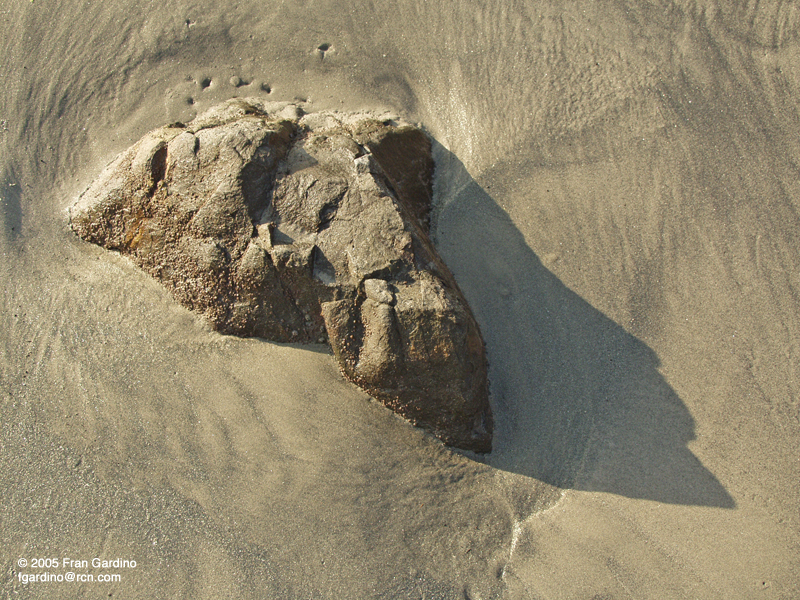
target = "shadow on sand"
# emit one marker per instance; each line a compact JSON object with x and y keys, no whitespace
{"x":10,"y":204}
{"x":578,"y":401}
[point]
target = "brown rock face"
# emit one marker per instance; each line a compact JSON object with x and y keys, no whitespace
{"x":299,"y":229}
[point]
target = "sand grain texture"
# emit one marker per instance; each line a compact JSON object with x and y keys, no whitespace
{"x":617,"y":196}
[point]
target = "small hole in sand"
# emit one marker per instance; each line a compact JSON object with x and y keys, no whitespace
{"x":205,"y":82}
{"x":266,"y":88}
{"x":324,"y":47}
{"x":190,"y":101}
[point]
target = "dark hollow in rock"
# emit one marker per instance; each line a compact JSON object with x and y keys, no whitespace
{"x":302,"y":228}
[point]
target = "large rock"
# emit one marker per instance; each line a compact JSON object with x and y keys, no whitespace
{"x":302,"y":228}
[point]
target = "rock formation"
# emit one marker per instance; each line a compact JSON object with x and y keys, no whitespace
{"x":305,"y":228}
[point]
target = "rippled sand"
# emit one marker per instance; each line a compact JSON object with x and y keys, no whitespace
{"x":618,"y":194}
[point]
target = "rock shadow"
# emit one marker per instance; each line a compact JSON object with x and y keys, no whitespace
{"x":11,"y":197}
{"x":578,"y":401}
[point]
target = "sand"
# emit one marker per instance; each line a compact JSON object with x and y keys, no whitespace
{"x":618,"y":195}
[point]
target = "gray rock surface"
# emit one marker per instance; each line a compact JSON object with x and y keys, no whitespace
{"x":305,"y":228}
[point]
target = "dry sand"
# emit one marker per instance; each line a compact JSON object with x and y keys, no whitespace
{"x":618,"y":189}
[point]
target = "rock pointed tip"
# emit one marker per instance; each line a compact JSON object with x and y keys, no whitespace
{"x":479,"y":439}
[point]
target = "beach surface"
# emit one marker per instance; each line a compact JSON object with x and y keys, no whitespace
{"x":618,"y":195}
